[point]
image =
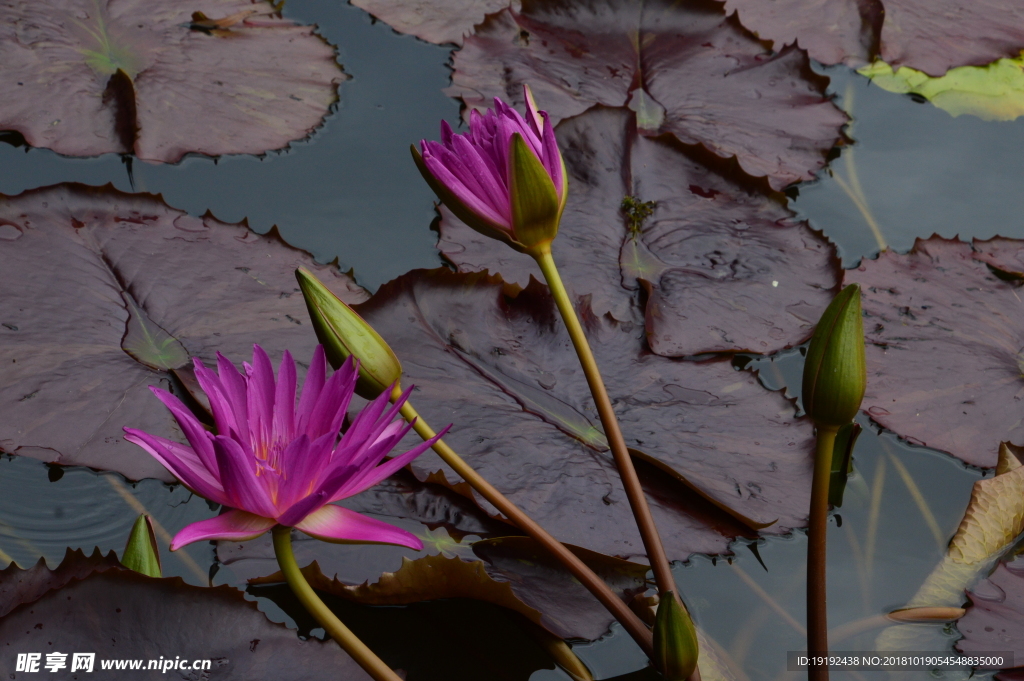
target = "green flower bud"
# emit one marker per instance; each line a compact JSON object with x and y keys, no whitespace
{"x":675,"y":639}
{"x":536,"y":208}
{"x":342,"y":332}
{"x":141,"y":552}
{"x":835,"y":373}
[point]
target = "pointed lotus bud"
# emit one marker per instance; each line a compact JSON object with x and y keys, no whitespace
{"x":505,"y":177}
{"x":835,"y":374}
{"x":675,"y":639}
{"x":344,"y":333}
{"x":141,"y":552}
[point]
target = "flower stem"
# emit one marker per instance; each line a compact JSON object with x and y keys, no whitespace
{"x":366,"y":658}
{"x":634,"y":492}
{"x":629,"y":620}
{"x":817,"y":611}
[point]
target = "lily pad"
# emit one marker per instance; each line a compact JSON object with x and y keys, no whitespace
{"x":106,"y":293}
{"x":993,"y":520}
{"x":120,"y":614}
{"x":995,"y":618}
{"x":994,"y":92}
{"x":928,"y":35}
{"x":89,"y":77}
{"x":435,"y":22}
{"x":456,"y":562}
{"x":496,"y":361}
{"x":682,"y":68}
{"x":724,"y":269}
{"x":945,"y":339}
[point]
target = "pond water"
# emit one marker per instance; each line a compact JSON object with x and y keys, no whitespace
{"x":351,"y":192}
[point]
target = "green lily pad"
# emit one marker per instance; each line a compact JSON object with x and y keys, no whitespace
{"x":89,"y":77}
{"x":992,"y":93}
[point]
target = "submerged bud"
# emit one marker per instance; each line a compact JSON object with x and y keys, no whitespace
{"x":675,"y":640}
{"x":141,"y":552}
{"x":344,"y":333}
{"x":835,"y":373}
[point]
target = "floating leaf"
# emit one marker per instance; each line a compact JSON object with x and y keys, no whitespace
{"x":509,"y":571}
{"x":19,"y":586}
{"x":929,"y":35}
{"x":497,"y":362}
{"x":684,"y":68}
{"x":103,"y":292}
{"x":90,"y":77}
{"x":724,"y":269}
{"x":436,"y":22}
{"x":994,"y":92}
{"x":995,"y":617}
{"x":993,"y":520}
{"x":120,"y":614}
{"x":945,"y":335}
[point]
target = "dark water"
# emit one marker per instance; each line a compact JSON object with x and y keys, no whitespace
{"x":351,"y":192}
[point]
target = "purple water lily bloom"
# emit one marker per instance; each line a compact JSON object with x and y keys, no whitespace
{"x":274,"y":463}
{"x":474,"y":173}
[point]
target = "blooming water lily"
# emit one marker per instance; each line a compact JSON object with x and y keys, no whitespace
{"x":275,"y":463}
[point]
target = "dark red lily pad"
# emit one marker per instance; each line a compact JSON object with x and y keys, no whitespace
{"x":725,"y":269}
{"x":435,"y":22}
{"x":994,"y":622}
{"x":120,"y":614}
{"x":683,"y":68}
{"x":928,"y":35}
{"x":945,"y":335}
{"x":456,"y":562}
{"x":106,"y":293}
{"x":90,"y":77}
{"x":498,"y":363}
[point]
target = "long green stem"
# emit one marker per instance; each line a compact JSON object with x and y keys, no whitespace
{"x":817,"y":611}
{"x":634,"y":492}
{"x":629,"y":620}
{"x":366,"y":658}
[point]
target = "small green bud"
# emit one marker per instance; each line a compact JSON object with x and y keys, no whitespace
{"x":675,"y":640}
{"x":141,"y":552}
{"x":536,"y":208}
{"x":835,"y":373}
{"x":342,"y":332}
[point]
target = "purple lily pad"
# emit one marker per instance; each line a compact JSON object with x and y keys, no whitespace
{"x":928,"y":35}
{"x":466,"y":554}
{"x":120,"y":614}
{"x":724,"y":269}
{"x":435,"y":22}
{"x":86,"y":78}
{"x":497,"y":362}
{"x":944,"y":332}
{"x":106,"y":293}
{"x":994,"y":621}
{"x":683,"y":69}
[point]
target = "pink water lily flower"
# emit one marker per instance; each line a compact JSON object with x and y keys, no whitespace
{"x":475,"y":173}
{"x":273,"y":463}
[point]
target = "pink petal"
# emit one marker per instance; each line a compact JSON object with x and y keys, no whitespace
{"x":244,"y":489}
{"x":221,"y":406}
{"x":260,"y":397}
{"x":234,"y":525}
{"x":342,"y":526}
{"x":182,"y":462}
{"x":473,"y":204}
{"x":371,"y":476}
{"x":311,"y":388}
{"x":235,"y":392}
{"x":532,"y":113}
{"x":552,"y":158}
{"x":329,"y":412}
{"x":193,"y":430}
{"x":284,"y":400}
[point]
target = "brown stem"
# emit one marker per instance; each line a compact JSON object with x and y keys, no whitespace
{"x":629,"y":620}
{"x":634,"y":492}
{"x":817,"y":611}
